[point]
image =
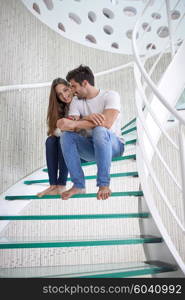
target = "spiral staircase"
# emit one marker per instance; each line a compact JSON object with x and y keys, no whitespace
{"x":132,"y":233}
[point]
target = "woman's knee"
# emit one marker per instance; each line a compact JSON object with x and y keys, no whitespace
{"x":51,"y":140}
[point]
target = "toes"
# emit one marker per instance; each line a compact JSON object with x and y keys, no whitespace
{"x":103,"y":195}
{"x":99,"y":196}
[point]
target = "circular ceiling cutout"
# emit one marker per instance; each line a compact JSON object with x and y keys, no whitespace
{"x":151,"y":46}
{"x":156,"y":16}
{"x":90,"y":38}
{"x":163,"y":31}
{"x":175,"y":14}
{"x":36,"y":8}
{"x":108,"y":13}
{"x":146,"y":27}
{"x":130,"y":11}
{"x":61,"y":27}
{"x":115,"y":45}
{"x":108,"y":29}
{"x":75,"y":18}
{"x":92,"y":16}
{"x":49,"y":4}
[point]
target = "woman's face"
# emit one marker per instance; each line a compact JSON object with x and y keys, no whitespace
{"x":64,"y":93}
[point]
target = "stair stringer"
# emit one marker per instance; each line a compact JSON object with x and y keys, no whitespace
{"x":165,"y":252}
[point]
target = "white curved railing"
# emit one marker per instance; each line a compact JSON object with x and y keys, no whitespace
{"x":48,"y":84}
{"x":153,"y":120}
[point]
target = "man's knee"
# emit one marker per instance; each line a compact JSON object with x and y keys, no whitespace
{"x":100,"y":133}
{"x":100,"y":129}
{"x":67,"y":136}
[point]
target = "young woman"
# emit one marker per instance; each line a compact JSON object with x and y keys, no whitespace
{"x":59,"y":101}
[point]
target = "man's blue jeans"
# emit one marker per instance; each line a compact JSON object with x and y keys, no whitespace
{"x":101,"y":147}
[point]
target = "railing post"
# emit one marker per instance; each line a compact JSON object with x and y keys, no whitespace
{"x":182,"y":163}
{"x":168,"y":12}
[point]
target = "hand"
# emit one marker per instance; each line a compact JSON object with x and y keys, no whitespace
{"x":66,"y":125}
{"x":98,"y":119}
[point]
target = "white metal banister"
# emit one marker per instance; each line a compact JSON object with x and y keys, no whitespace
{"x":157,"y":111}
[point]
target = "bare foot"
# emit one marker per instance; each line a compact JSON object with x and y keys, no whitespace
{"x":73,"y":191}
{"x":52,"y":190}
{"x":61,"y":189}
{"x":103,"y":193}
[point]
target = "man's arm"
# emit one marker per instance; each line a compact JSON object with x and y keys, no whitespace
{"x":110,"y":117}
{"x":106,"y":119}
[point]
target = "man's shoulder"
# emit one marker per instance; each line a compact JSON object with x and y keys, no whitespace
{"x":111,"y":93}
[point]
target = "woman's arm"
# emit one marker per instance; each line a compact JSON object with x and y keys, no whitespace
{"x":65,"y":124}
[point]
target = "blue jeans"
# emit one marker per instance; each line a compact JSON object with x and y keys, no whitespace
{"x":55,"y":161}
{"x":101,"y":147}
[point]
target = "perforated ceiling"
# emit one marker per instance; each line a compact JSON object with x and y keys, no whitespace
{"x":108,"y":24}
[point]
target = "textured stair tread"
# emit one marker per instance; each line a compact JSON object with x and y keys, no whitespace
{"x":133,"y":121}
{"x":108,"y":270}
{"x":71,"y":217}
{"x":89,"y":177}
{"x":87,"y":195}
{"x":127,"y":131}
{"x":119,"y":158}
{"x":43,"y":242}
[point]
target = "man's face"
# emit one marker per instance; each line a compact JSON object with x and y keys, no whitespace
{"x":79,"y":90}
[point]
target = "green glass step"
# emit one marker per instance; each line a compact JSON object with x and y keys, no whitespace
{"x":129,"y":130}
{"x":119,"y":158}
{"x":107,"y":270}
{"x":134,"y":174}
{"x":75,"y":217}
{"x":88,"y":195}
{"x":129,"y":123}
{"x":131,"y":142}
{"x":23,"y":242}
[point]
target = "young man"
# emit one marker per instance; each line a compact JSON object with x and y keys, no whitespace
{"x":93,"y":135}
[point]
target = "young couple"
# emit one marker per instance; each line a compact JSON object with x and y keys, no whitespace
{"x":89,"y":125}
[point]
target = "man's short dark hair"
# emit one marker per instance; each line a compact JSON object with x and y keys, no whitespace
{"x":80,"y":74}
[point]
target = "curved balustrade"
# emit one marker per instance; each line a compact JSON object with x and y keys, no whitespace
{"x":158,"y":106}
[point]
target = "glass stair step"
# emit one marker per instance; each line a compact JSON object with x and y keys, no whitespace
{"x":108,"y":270}
{"x":129,"y":123}
{"x":88,"y":195}
{"x":133,"y":174}
{"x":129,"y":130}
{"x":23,"y":242}
{"x":74,"y":217}
{"x":119,"y":158}
{"x":131,"y":142}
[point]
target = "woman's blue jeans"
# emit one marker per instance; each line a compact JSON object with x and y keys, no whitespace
{"x":101,"y":147}
{"x":57,"y":169}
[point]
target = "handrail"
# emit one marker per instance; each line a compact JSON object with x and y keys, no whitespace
{"x":153,"y":115}
{"x":45,"y":84}
{"x":158,"y":153}
{"x":144,"y":73}
{"x":144,"y":135}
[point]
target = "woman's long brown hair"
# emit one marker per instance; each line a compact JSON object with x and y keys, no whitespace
{"x":56,"y":108}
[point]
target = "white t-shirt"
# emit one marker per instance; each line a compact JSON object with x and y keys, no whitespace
{"x":104,"y":100}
